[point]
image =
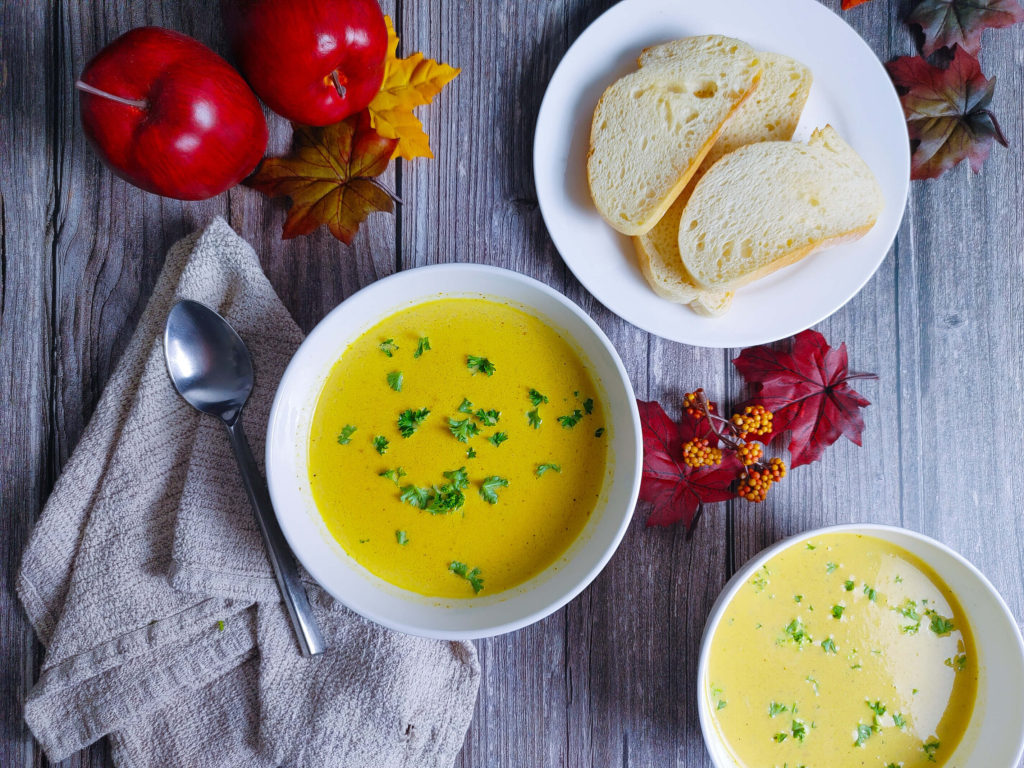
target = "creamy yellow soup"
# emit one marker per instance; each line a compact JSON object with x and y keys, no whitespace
{"x":843,"y":651}
{"x":458,"y":448}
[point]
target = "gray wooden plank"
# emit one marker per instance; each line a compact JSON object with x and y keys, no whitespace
{"x":26,"y":239}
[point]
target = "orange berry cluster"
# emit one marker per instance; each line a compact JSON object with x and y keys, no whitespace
{"x":699,"y":453}
{"x":754,"y":483}
{"x":694,"y":402}
{"x":755,"y":420}
{"x":750,"y":453}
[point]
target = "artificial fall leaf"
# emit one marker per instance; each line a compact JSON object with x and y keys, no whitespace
{"x":947,"y":110}
{"x":329,"y":176}
{"x":677,"y":490}
{"x":946,"y":23}
{"x":408,"y":83}
{"x":807,"y":389}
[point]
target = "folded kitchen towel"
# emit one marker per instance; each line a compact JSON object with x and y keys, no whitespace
{"x":147,"y":581}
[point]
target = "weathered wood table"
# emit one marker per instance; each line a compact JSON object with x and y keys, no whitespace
{"x":609,"y":680}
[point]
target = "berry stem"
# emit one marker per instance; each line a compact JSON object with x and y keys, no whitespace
{"x":383,"y":189}
{"x":140,"y":103}
{"x":337,"y":83}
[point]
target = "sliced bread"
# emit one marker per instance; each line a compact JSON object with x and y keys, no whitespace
{"x":772,"y":111}
{"x":653,"y":127}
{"x":770,"y":204}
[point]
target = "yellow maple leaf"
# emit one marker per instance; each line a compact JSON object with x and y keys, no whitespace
{"x":408,"y":83}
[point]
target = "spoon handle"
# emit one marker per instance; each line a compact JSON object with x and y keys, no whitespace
{"x":306,"y":628}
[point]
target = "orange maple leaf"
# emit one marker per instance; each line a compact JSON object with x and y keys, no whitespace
{"x":408,"y":83}
{"x":330,"y":176}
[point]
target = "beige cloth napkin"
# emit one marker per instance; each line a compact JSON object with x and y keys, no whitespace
{"x":147,"y":581}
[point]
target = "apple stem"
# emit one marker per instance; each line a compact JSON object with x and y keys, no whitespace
{"x":97,"y":92}
{"x":337,"y":83}
{"x":384,"y":189}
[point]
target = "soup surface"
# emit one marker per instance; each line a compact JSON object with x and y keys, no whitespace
{"x":458,"y":448}
{"x":839,"y":652}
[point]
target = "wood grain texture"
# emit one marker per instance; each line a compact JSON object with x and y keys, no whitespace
{"x":610,"y":679}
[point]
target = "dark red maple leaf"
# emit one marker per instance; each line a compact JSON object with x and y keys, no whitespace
{"x":946,"y":23}
{"x":808,"y":391}
{"x":947,"y":110}
{"x":676,"y":490}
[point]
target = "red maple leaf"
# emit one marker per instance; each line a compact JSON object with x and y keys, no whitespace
{"x":946,"y":23}
{"x":677,"y":490}
{"x":948,"y":115}
{"x":808,"y":392}
{"x":848,"y":4}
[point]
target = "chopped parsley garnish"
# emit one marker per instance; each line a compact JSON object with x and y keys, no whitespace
{"x":722,"y":704}
{"x":799,"y":729}
{"x":958,"y":662}
{"x":778,"y":738}
{"x":848,"y":585}
{"x":534,"y":418}
{"x":409,"y":421}
{"x":463,"y":430}
{"x":465,"y":406}
{"x":380,"y":444}
{"x":870,"y":592}
{"x":829,"y":645}
{"x":813,"y":682}
{"x":446,"y":499}
{"x":220,"y":625}
{"x":542,"y":468}
{"x":497,"y":438}
{"x":388,"y":347}
{"x":863,"y":734}
{"x":401,"y":538}
{"x":571,"y":420}
{"x":811,"y":546}
{"x":536,"y":398}
{"x":394,"y":475}
{"x":797,"y":633}
{"x":416,"y":496}
{"x":877,"y":707}
{"x":908,"y":610}
{"x":458,"y":478}
{"x":837,"y":611}
{"x":776,"y":709}
{"x":489,"y":417}
{"x":599,"y":431}
{"x":830,"y":566}
{"x":395,"y":380}
{"x":798,"y":598}
{"x":588,"y":406}
{"x":899,"y":721}
{"x":423,"y":345}
{"x":940,"y":625}
{"x":471,"y":453}
{"x":488,"y":486}
{"x":479,"y":365}
{"x":930,"y":748}
{"x":473,"y":576}
{"x":345,"y":437}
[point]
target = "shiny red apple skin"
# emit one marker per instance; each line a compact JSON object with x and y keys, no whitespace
{"x":287,"y":50}
{"x":201,"y":130}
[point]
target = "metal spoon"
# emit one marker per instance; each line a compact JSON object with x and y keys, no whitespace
{"x":211,"y":368}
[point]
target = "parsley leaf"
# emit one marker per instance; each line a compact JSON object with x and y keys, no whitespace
{"x":489,"y":417}
{"x":797,"y":633}
{"x":380,"y":443}
{"x":497,"y":438}
{"x":863,"y":734}
{"x":445,"y":499}
{"x":401,"y":538}
{"x":534,"y":418}
{"x":837,"y":611}
{"x":388,"y":347}
{"x":423,"y":345}
{"x":940,"y":625}
{"x":458,"y":477}
{"x":409,"y":421}
{"x":878,"y":708}
{"x":829,"y":645}
{"x":776,"y":709}
{"x":536,"y":398}
{"x":395,"y":380}
{"x":488,"y":486}
{"x":799,"y":729}
{"x":571,"y":420}
{"x":848,"y":585}
{"x":346,"y":434}
{"x":474,"y":578}
{"x":599,"y":431}
{"x":471,"y":453}
{"x":465,"y":406}
{"x":958,"y":662}
{"x":899,"y":721}
{"x":479,"y":365}
{"x":221,"y":625}
{"x":415,"y":496}
{"x":394,"y":475}
{"x":463,"y":430}
{"x":870,"y":592}
{"x":542,"y":468}
{"x":930,"y":748}
{"x":588,"y":406}
{"x":778,"y":738}
{"x":830,"y":567}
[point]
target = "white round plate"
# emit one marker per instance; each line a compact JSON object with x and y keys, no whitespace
{"x":851,"y":91}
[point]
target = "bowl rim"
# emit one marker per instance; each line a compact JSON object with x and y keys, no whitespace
{"x":389,"y":288}
{"x":732,"y":586}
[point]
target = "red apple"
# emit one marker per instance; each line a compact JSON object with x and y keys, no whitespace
{"x":171,"y":116}
{"x":313,"y":61}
